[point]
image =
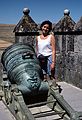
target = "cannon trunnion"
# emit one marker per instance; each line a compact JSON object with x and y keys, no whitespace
{"x":23,"y":69}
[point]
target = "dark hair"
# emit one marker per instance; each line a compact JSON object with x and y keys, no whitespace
{"x":46,"y":22}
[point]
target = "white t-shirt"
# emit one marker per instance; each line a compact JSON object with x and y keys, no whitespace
{"x":44,"y":46}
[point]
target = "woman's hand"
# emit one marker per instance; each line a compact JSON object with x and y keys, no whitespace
{"x":52,"y":66}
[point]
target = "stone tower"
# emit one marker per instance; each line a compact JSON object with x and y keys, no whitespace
{"x":26,"y":24}
{"x":64,"y":43}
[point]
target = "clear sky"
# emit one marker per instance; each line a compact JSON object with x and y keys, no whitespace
{"x":11,"y":11}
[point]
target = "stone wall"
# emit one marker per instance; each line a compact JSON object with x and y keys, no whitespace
{"x":69,"y":58}
{"x":73,"y":63}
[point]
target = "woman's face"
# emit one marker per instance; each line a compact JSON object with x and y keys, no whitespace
{"x":45,"y":29}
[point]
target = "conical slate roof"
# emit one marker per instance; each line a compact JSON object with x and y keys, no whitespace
{"x":65,"y":24}
{"x":78,"y":25}
{"x":26,"y":24}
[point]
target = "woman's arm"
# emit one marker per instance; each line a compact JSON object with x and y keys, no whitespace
{"x":53,"y":51}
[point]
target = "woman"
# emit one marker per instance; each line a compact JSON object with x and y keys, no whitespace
{"x":45,"y":47}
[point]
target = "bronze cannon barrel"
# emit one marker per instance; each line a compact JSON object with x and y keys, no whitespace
{"x":22,"y":66}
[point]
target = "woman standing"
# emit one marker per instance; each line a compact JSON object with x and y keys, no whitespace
{"x":45,"y":47}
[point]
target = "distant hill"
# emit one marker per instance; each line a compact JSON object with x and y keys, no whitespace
{"x":6,"y":32}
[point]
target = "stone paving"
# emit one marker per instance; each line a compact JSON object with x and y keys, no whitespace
{"x":5,"y":113}
{"x":72,"y":95}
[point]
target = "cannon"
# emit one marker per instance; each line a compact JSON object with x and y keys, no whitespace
{"x":25,"y":91}
{"x":22,"y":66}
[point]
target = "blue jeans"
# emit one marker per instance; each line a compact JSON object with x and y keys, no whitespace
{"x":49,"y":62}
{"x":46,"y":65}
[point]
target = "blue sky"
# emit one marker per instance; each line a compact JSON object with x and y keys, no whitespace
{"x":11,"y":11}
